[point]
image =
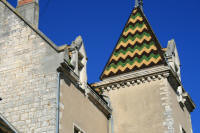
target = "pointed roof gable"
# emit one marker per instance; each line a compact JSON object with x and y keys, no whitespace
{"x":137,"y":47}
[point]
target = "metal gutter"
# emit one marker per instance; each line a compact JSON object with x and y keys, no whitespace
{"x":103,"y":105}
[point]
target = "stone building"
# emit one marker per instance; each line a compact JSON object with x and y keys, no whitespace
{"x":44,"y":87}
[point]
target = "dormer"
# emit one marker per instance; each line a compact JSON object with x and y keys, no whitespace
{"x":82,"y":66}
{"x":75,"y":57}
{"x":172,"y":57}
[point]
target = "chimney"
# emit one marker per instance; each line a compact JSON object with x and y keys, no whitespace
{"x":29,"y":9}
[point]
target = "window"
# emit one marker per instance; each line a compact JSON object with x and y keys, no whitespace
{"x":78,"y":130}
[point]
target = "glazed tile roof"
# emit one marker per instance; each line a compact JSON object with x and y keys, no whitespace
{"x":136,"y":49}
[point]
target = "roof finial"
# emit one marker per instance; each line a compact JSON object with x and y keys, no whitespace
{"x":139,"y":3}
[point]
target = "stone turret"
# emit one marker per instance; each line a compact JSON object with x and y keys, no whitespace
{"x":29,"y":9}
{"x":142,"y":81}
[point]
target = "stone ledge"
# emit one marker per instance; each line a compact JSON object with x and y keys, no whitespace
{"x":146,"y":74}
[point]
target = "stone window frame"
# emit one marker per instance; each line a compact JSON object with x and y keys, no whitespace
{"x":75,"y":126}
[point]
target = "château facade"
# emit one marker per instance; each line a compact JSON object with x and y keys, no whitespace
{"x":44,"y":88}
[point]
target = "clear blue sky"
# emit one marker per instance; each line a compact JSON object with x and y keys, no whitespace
{"x":100,"y":23}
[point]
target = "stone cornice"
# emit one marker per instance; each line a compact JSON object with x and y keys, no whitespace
{"x":143,"y":76}
{"x":134,"y":81}
{"x":137,"y":77}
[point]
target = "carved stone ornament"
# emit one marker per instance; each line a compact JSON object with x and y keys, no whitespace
{"x":137,"y":81}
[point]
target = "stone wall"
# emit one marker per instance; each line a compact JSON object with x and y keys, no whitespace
{"x":137,"y":108}
{"x":28,"y":77}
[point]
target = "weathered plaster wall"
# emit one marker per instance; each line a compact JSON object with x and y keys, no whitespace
{"x":77,"y":109}
{"x":28,"y":77}
{"x":137,"y":109}
{"x":148,"y":107}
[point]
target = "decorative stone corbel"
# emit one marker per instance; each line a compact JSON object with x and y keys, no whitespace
{"x":143,"y":80}
{"x":122,"y":84}
{"x":166,"y":75}
{"x":153,"y":78}
{"x":138,"y":81}
{"x":159,"y":77}
{"x":128,"y":84}
{"x":108,"y":88}
{"x":113,"y":87}
{"x":133,"y":82}
{"x":118,"y":86}
{"x":149,"y":79}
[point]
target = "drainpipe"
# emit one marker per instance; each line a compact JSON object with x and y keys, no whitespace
{"x":110,"y":125}
{"x":110,"y":120}
{"x":58,"y":104}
